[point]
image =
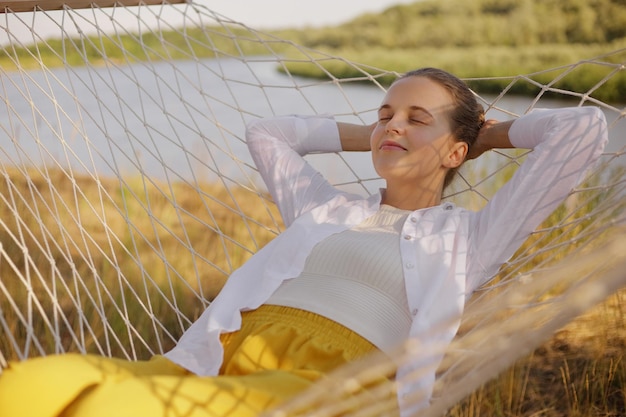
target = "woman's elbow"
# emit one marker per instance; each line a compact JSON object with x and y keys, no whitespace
{"x":255,"y":129}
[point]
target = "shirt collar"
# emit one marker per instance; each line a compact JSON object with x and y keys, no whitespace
{"x":374,"y":201}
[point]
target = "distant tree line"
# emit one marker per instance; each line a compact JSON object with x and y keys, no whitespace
{"x":442,"y":23}
{"x":481,"y":39}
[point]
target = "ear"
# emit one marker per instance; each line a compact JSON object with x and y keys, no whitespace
{"x":456,"y":155}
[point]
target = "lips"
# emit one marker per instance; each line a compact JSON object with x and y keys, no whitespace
{"x":390,"y":145}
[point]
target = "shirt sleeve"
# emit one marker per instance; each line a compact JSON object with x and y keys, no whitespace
{"x":564,"y":143}
{"x":277,"y":146}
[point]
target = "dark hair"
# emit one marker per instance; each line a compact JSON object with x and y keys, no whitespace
{"x":468,"y":115}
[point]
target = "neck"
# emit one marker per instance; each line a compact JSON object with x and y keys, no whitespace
{"x":408,"y":198}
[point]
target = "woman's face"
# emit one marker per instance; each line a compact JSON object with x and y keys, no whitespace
{"x":412,"y":142}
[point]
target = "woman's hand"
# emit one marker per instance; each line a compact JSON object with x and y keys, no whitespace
{"x":493,"y":134}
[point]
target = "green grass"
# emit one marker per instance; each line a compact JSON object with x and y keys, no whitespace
{"x":487,"y":69}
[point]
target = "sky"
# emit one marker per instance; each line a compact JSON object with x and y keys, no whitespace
{"x":262,"y":14}
{"x":258,"y":14}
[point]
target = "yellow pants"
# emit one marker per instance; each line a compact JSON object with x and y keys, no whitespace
{"x":278,"y":353}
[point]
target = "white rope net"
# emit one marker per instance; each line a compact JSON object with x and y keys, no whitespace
{"x":128,"y":195}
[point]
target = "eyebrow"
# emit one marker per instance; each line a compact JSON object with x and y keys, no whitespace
{"x":412,"y":108}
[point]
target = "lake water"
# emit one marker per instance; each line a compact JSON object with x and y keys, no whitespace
{"x":185,"y":119}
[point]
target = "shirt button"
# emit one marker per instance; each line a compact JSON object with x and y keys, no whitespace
{"x":448,"y":207}
{"x":407,"y":237}
{"x":413,"y":220}
{"x":414,"y":312}
{"x":409,"y":265}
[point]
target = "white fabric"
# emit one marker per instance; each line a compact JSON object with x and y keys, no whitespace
{"x":355,"y":278}
{"x":446,"y":251}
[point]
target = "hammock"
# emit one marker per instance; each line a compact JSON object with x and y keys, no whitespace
{"x":128,"y":196}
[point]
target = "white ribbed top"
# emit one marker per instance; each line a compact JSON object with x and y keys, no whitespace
{"x":355,"y":278}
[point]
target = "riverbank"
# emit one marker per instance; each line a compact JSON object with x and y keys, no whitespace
{"x":575,"y":68}
{"x":522,"y":70}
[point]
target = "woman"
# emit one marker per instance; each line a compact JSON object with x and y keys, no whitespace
{"x":349,"y":275}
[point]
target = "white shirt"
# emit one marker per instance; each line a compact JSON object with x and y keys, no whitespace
{"x":446,"y":251}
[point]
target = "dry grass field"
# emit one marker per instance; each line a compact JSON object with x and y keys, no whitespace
{"x":103,"y":230}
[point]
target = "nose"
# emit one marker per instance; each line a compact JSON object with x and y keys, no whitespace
{"x":394,"y":125}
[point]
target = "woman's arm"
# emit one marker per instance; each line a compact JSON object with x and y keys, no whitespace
{"x":355,"y":137}
{"x":277,"y":146}
{"x":565,"y":143}
{"x":493,"y":135}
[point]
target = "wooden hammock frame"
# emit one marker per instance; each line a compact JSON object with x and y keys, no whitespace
{"x":34,"y":5}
